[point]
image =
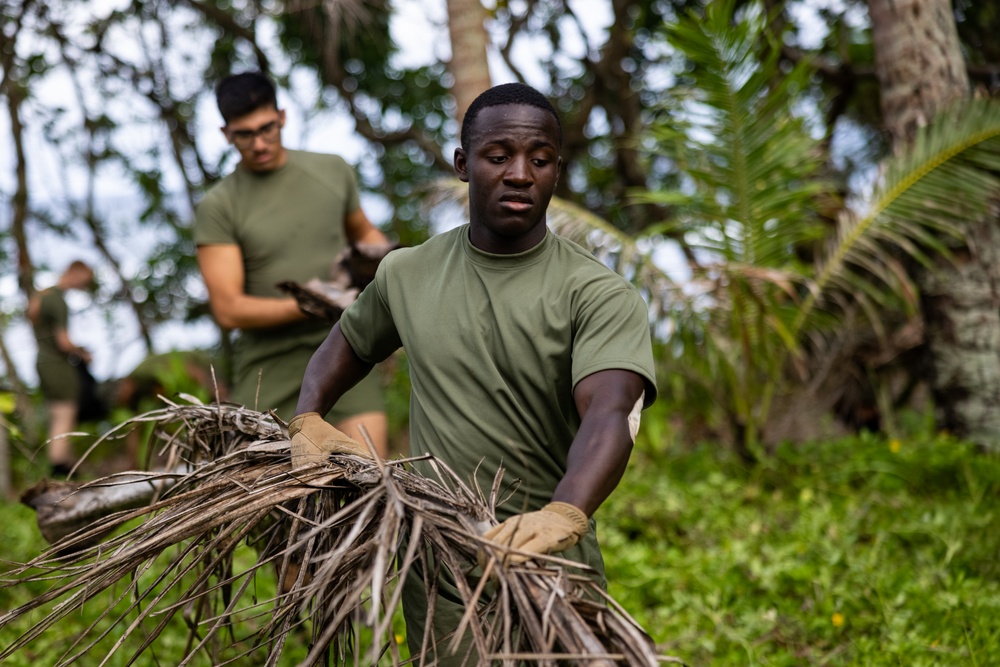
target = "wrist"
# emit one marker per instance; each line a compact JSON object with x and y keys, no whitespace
{"x":295,"y":425}
{"x":572,"y":513}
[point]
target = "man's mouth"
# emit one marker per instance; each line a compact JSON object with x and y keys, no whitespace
{"x":516,"y":202}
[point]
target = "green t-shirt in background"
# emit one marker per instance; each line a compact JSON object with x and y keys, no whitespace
{"x":53,"y":316}
{"x":496,"y":345}
{"x":58,"y":379}
{"x":289,"y":224}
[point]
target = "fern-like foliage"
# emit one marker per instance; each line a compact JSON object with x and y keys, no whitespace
{"x":751,"y":177}
{"x":921,"y":202}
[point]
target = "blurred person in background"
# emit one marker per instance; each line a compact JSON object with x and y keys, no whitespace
{"x":60,"y":363}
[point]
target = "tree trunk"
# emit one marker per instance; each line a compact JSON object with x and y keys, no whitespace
{"x":468,"y":66}
{"x":918,"y":62}
{"x":920,"y":68}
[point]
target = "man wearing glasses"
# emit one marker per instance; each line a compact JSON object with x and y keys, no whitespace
{"x":282,"y":215}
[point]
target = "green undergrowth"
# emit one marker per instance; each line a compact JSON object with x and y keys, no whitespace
{"x":862,"y":551}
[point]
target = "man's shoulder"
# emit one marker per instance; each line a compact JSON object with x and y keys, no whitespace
{"x":51,"y":299}
{"x":50,"y":294}
{"x":309,"y":160}
{"x":434,"y":247}
{"x":222,"y":190}
{"x":580,"y":262}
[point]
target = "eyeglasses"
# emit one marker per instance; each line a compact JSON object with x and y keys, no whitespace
{"x":244,"y":139}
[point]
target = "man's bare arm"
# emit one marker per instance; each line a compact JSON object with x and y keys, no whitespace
{"x":67,"y":346}
{"x":333,"y":369}
{"x":600,"y":450}
{"x":359,"y":229}
{"x":222,"y":270}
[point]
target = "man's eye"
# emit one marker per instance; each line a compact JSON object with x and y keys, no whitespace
{"x":243,"y":134}
{"x":496,"y":159}
{"x":540,"y":162}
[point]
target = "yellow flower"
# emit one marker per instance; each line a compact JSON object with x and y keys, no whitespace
{"x":894,"y":446}
{"x":837,"y":619}
{"x":399,"y":638}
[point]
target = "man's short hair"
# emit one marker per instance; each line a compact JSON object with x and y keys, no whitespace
{"x":506,"y":93}
{"x":240,"y":94}
{"x":79,"y":265}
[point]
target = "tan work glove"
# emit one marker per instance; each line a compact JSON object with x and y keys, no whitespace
{"x":313,"y":440}
{"x":554,"y":528}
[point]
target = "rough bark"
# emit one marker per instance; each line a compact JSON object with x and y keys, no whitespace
{"x":962,"y":308}
{"x":468,"y":66}
{"x":920,"y":68}
{"x":918,"y":62}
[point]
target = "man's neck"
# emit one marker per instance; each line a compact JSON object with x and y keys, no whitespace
{"x":280,"y":161}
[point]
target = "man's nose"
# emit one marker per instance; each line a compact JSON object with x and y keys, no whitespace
{"x":259,"y":143}
{"x":518,"y":171}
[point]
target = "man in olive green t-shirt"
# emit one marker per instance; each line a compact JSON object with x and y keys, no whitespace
{"x":282,"y":215}
{"x":58,"y":357}
{"x":525,"y":352}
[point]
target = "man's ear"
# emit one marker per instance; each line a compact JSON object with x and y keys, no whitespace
{"x":461,"y":166}
{"x":225,"y":132}
{"x":281,"y":117}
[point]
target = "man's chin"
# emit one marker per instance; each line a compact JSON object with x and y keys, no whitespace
{"x":267,"y":164}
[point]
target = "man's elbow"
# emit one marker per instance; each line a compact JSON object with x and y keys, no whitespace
{"x":223,"y":316}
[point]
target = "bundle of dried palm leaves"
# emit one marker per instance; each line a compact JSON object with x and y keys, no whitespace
{"x":332,"y":534}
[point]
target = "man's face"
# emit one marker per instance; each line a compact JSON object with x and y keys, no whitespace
{"x":80,"y":279}
{"x":512,"y":167}
{"x":257,"y":136}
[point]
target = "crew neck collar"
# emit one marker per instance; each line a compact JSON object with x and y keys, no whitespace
{"x":269,"y":172}
{"x":505,"y":260}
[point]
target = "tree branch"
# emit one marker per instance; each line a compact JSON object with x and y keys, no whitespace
{"x":225,"y":20}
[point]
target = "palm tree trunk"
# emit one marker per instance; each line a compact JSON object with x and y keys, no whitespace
{"x":920,"y":68}
{"x":469,"y":40}
{"x":918,"y":62}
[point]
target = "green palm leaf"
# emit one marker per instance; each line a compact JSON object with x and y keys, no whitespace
{"x":946,"y":178}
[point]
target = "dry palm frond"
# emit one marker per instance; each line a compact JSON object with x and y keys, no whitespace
{"x":332,"y":533}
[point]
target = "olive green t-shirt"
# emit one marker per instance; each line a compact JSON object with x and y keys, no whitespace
{"x":289,"y":225}
{"x":496,"y":344}
{"x":53,"y":316}
{"x":58,"y":379}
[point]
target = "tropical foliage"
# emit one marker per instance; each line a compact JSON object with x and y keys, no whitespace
{"x":775,"y":284}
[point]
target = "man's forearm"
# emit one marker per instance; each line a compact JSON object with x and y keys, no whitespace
{"x":333,"y":369}
{"x":596,"y":463}
{"x":599,"y":454}
{"x":256,"y":312}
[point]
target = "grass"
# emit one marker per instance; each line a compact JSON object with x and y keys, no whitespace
{"x":862,"y":551}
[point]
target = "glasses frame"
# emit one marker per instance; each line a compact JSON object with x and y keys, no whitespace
{"x":244,"y":139}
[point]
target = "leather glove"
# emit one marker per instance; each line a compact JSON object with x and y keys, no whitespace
{"x":313,"y":440}
{"x":363,"y":260}
{"x":554,"y":528}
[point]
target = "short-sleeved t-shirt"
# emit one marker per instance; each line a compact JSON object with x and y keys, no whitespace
{"x":53,"y":316}
{"x":58,"y":379}
{"x":496,"y":344}
{"x":289,"y":225}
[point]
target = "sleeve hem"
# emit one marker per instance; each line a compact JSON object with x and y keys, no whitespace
{"x":624,"y":365}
